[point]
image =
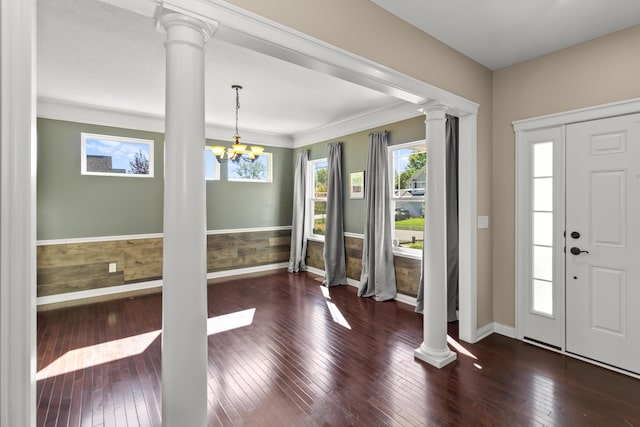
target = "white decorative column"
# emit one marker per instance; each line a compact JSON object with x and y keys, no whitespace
{"x":434,"y":349}
{"x":184,"y":293}
{"x":18,"y":148}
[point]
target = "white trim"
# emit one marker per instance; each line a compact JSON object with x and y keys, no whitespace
{"x":485,"y":331}
{"x":315,"y":271}
{"x":56,"y":109}
{"x":354,"y":235}
{"x":406,"y":254}
{"x":151,"y":284}
{"x":249,"y":229}
{"x":468,"y":228}
{"x":246,"y":270}
{"x":152,"y":236}
{"x":507,"y":331}
{"x":495,"y":328}
{"x":18,"y":153}
{"x":98,"y":292}
{"x":406,"y":299}
{"x":618,"y":108}
{"x":316,"y":238}
{"x":371,"y":119}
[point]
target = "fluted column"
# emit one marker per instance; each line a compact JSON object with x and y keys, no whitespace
{"x":434,"y":349}
{"x":184,"y":294}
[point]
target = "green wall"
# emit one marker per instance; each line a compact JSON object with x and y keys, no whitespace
{"x":71,"y":205}
{"x":233,"y":204}
{"x":354,"y":158}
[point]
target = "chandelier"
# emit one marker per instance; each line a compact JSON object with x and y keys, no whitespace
{"x":237,"y":151}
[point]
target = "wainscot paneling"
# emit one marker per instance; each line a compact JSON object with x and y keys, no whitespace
{"x":407,"y":269}
{"x":238,"y":250}
{"x":71,"y":267}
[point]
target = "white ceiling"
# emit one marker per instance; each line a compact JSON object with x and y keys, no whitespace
{"x":499,"y":33}
{"x":95,"y":54}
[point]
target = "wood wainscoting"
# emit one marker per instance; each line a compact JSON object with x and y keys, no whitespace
{"x":407,"y":269}
{"x":80,"y":266}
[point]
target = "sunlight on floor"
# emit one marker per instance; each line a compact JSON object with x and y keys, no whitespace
{"x":230,"y":321}
{"x":110,"y":351}
{"x":461,"y":350}
{"x":337,"y":316}
{"x":325,"y":291}
{"x":85,"y":357}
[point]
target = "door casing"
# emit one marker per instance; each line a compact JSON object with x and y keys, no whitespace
{"x":523,"y":129}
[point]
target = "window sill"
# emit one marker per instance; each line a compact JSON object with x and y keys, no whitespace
{"x":316,"y":238}
{"x":408,"y":254}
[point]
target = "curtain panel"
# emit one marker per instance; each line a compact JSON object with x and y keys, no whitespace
{"x":298,"y":250}
{"x":378,"y":278}
{"x":335,"y":267}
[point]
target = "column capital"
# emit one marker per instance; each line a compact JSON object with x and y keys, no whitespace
{"x":434,"y":109}
{"x":168,"y":19}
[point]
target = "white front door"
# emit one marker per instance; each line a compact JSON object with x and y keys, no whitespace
{"x":603,"y":241}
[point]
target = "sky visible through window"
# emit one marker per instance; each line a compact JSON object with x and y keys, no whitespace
{"x":121,"y":152}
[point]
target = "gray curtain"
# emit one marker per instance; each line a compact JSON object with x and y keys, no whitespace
{"x":298,"y":235}
{"x":335,"y":268}
{"x":452,"y":224}
{"x":378,"y":278}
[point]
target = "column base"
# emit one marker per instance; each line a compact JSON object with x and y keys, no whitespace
{"x":437,"y":359}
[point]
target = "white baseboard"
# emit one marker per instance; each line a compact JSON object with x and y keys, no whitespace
{"x":99,"y":292}
{"x":494,"y":327}
{"x":247,"y":270}
{"x":507,"y":331}
{"x":356,"y":284}
{"x":131,"y":287}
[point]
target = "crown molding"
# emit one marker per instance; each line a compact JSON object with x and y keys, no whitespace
{"x":371,"y":119}
{"x":49,"y":108}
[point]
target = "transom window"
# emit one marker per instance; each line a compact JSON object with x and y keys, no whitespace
{"x":259,"y":170}
{"x":317,"y":176}
{"x":408,"y":174}
{"x":211,"y":166}
{"x":109,"y":155}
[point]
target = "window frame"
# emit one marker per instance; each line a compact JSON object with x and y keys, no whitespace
{"x":267,"y":180}
{"x":310,"y":200}
{"x":84,"y":136}
{"x":398,"y":250}
{"x":216,"y":166}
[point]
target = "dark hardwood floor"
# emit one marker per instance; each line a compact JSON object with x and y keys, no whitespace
{"x":306,"y":359}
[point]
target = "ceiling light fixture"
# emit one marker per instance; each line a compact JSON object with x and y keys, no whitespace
{"x":237,"y":151}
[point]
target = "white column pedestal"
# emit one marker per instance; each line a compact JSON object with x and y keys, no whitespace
{"x":434,"y":349}
{"x":184,"y":293}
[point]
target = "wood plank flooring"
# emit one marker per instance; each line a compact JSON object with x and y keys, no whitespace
{"x":310,"y":359}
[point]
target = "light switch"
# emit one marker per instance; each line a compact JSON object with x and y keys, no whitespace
{"x":113,"y":267}
{"x":483,"y":222}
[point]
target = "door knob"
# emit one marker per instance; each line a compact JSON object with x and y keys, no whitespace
{"x":577,"y":251}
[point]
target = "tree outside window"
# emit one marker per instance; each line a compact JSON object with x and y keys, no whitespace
{"x":408,"y":172}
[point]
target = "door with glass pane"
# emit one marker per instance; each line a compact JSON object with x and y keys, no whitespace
{"x":541,"y":242}
{"x":603,"y":241}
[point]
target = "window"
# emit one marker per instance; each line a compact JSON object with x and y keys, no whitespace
{"x":542,"y":220}
{"x":259,"y":170}
{"x":211,"y":166}
{"x":317,"y":194}
{"x":408,"y":173}
{"x":116,"y":156}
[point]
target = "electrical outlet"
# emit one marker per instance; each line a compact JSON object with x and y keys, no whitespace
{"x":113,"y":267}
